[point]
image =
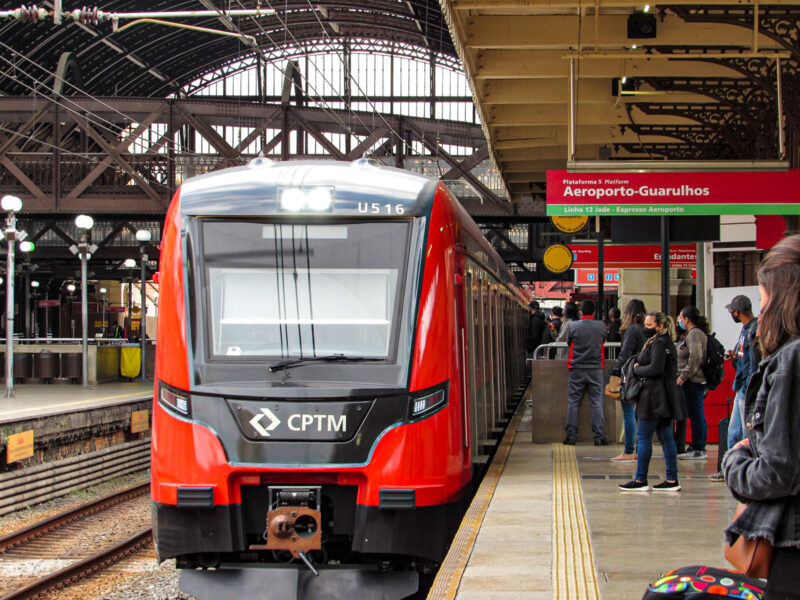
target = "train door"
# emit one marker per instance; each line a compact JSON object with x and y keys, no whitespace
{"x":491,"y":349}
{"x":477,"y":419}
{"x":486,"y":354}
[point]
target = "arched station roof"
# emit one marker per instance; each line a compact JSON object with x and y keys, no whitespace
{"x":156,"y":61}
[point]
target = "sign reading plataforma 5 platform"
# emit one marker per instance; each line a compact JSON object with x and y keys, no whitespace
{"x":643,"y":194}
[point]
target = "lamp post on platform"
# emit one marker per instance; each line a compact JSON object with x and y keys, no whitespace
{"x":35,"y":298}
{"x":84,"y":223}
{"x":143,"y":237}
{"x":12,"y":205}
{"x":130,"y":264}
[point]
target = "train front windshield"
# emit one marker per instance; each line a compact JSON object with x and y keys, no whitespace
{"x":280,"y":290}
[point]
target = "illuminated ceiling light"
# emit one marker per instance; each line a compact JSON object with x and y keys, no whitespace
{"x":11,"y":204}
{"x":142,"y":235}
{"x":129,"y":263}
{"x":646,"y":8}
{"x":84,"y":222}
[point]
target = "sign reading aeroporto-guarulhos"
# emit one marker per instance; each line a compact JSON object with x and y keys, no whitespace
{"x":656,"y":194}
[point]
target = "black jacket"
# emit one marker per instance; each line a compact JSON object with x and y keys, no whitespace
{"x":535,"y":331}
{"x":766,"y":475}
{"x":632,"y":342}
{"x":658,"y":365}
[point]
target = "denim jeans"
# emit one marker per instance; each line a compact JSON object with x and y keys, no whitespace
{"x":629,"y":426}
{"x":693,"y":394}
{"x":645,"y":431}
{"x":736,"y":424}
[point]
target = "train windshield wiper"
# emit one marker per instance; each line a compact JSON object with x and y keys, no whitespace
{"x":289,"y":364}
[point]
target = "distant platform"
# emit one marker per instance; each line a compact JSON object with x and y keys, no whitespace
{"x":40,"y":400}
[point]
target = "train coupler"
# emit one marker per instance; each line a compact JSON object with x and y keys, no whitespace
{"x":294,"y":521}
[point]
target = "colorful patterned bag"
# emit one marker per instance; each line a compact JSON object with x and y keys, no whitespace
{"x":704,"y":583}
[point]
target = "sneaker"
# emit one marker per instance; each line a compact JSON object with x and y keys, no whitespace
{"x":667,"y":486}
{"x":601,"y":442}
{"x":693,"y":455}
{"x":685,"y":455}
{"x":634,"y":486}
{"x":718,"y":476}
{"x":625,"y":458}
{"x":569,"y":441}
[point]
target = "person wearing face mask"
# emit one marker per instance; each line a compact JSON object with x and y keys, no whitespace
{"x":745,"y":359}
{"x":657,"y":404}
{"x":763,"y":470}
{"x":691,"y":355}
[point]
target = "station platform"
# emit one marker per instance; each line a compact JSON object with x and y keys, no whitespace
{"x":549,"y":522}
{"x":41,"y":400}
{"x":66,"y":421}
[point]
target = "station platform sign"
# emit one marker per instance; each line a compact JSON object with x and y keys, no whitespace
{"x":665,"y":194}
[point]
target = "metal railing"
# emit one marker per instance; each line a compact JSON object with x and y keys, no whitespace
{"x":551,"y":351}
{"x":63,"y":341}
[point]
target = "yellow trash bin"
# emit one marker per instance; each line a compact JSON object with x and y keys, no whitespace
{"x":130,"y":361}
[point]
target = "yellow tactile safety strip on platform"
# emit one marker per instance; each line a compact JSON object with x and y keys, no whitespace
{"x":445,"y":586}
{"x":574,"y":574}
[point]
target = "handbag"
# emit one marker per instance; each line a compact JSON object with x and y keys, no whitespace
{"x":612,"y":388}
{"x":631,"y":384}
{"x":751,"y":557}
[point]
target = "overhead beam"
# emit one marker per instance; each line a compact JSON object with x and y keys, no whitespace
{"x":545,"y":32}
{"x":556,"y":91}
{"x":533,"y":5}
{"x":546,"y":64}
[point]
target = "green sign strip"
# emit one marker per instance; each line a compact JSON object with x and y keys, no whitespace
{"x":633,"y":210}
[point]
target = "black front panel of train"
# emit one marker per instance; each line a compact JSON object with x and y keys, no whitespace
{"x":277,"y":432}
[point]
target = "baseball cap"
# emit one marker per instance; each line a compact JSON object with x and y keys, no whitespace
{"x":534,"y":304}
{"x":740,"y":303}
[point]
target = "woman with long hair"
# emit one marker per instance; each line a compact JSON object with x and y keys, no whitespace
{"x":763,"y":470}
{"x":633,"y":339}
{"x":657,"y":404}
{"x":691,"y":355}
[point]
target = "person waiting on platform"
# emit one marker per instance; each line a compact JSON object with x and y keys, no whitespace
{"x":633,"y":339}
{"x":763,"y":470}
{"x":691,"y":355}
{"x":745,"y":357}
{"x":536,"y":328}
{"x":613,"y":326}
{"x":585,"y":338}
{"x":657,"y":404}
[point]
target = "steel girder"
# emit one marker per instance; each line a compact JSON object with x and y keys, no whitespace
{"x":80,"y":159}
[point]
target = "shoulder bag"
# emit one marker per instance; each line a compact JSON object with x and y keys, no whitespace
{"x":631,"y":385}
{"x":751,"y":557}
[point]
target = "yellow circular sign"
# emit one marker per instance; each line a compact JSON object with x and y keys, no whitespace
{"x":571,"y":224}
{"x":557,"y":258}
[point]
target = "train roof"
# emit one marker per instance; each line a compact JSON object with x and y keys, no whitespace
{"x":253,"y":189}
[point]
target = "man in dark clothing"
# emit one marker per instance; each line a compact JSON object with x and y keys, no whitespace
{"x":535,"y":327}
{"x":613,"y":325}
{"x":745,"y":357}
{"x":585,"y":363}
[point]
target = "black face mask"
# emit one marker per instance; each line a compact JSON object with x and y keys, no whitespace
{"x":649,"y":332}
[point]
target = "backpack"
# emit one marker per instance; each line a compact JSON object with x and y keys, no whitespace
{"x":714,"y":364}
{"x":704,"y":583}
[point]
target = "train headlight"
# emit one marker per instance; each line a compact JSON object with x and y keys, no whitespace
{"x":179,"y":403}
{"x":305,"y":199}
{"x":424,"y":405}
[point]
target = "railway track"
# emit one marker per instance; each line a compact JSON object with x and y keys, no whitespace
{"x":61,"y":551}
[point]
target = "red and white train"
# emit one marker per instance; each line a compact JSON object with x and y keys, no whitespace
{"x":337,"y":344}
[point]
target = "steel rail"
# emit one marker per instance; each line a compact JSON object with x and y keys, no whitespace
{"x":27,"y":534}
{"x":84,"y":568}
